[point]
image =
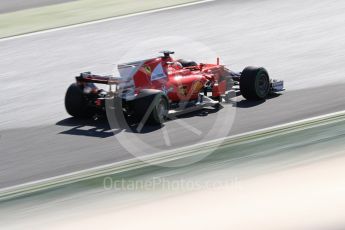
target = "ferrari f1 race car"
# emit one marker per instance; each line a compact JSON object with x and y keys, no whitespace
{"x":155,"y":89}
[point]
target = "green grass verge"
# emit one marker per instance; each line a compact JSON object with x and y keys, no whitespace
{"x":59,"y":15}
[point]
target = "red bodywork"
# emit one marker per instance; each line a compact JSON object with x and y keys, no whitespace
{"x":180,"y":83}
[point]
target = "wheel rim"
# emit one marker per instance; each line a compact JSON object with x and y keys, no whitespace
{"x":262,"y":85}
{"x":162,"y":110}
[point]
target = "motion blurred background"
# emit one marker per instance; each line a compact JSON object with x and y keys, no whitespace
{"x":289,"y":181}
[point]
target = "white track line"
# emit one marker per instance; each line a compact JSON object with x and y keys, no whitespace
{"x":104,"y":20}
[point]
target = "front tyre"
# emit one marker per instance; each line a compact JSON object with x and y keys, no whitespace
{"x":254,"y":83}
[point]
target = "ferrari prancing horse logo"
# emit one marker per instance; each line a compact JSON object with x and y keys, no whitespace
{"x":147,"y":69}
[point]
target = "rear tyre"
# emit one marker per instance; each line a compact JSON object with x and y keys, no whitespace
{"x":76,"y":104}
{"x":160,"y":111}
{"x":254,"y":83}
{"x":152,"y":109}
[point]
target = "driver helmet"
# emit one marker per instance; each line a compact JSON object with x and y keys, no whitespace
{"x":177,"y":65}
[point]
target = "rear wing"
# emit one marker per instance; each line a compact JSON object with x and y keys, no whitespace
{"x":126,"y":70}
{"x":88,"y":77}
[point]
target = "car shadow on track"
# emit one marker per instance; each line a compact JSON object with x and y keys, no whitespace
{"x":86,"y":127}
{"x":100,"y":128}
{"x":248,"y":104}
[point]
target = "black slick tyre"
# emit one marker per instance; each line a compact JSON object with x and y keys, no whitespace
{"x":254,"y":83}
{"x":76,"y":104}
{"x":152,"y":109}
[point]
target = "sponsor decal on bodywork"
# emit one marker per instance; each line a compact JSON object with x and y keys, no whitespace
{"x":182,"y":90}
{"x":197,"y":86}
{"x":158,"y":73}
{"x":147,"y":70}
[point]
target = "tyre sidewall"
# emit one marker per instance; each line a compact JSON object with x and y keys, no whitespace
{"x":143,"y":102}
{"x":249,"y":82}
{"x":75,"y":102}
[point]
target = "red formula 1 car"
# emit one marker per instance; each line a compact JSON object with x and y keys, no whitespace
{"x":154,"y":89}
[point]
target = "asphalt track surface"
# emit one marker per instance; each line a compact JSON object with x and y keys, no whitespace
{"x":300,"y":42}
